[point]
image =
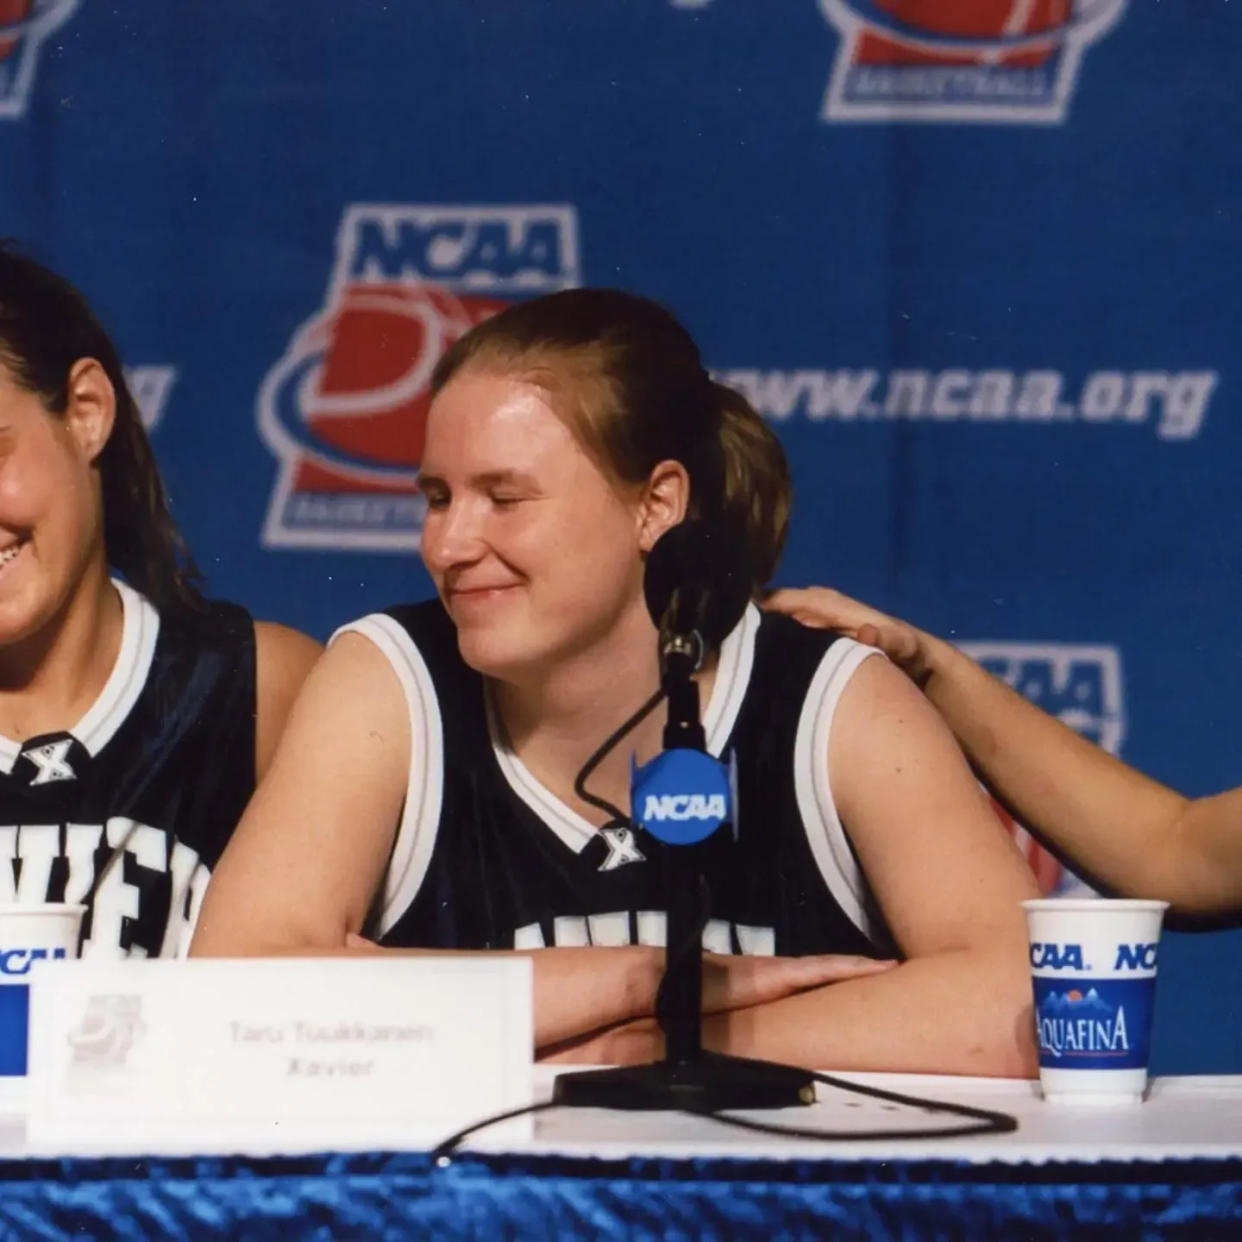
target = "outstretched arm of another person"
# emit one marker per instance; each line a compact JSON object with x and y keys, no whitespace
{"x":949,"y":881}
{"x":1123,"y":828}
{"x":305,"y":862}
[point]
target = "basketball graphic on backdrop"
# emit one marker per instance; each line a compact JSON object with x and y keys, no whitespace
{"x":24,"y":26}
{"x":998,"y":61}
{"x":344,"y":409}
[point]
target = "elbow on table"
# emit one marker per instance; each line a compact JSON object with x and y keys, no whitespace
{"x":1016,"y":1056}
{"x":1008,"y":1049}
{"x":264,"y":948}
{"x":247,"y":941}
{"x":218,"y":945}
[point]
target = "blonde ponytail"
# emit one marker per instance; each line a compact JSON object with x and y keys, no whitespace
{"x":757,"y":492}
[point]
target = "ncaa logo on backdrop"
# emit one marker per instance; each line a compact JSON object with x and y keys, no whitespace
{"x":344,"y":409}
{"x":1001,"y":61}
{"x":24,"y":25}
{"x":1079,"y":684}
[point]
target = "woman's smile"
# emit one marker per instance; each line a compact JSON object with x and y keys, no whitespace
{"x":10,"y":556}
{"x":472,"y":599}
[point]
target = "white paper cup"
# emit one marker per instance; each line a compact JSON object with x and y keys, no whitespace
{"x":29,"y":935}
{"x":1093,"y":969}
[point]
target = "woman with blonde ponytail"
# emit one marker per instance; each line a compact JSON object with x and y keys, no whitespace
{"x":424,"y":796}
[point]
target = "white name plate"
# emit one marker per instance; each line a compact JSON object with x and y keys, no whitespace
{"x":276,"y":1055}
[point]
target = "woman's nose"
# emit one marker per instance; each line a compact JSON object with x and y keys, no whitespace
{"x":451,"y":537}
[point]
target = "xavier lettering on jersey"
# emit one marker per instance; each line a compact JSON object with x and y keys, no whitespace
{"x":143,"y":885}
{"x":649,"y":927}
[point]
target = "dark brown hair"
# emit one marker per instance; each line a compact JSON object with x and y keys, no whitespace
{"x":45,"y":327}
{"x":639,"y":396}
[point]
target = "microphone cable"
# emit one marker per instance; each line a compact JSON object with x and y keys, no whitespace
{"x":619,"y":817}
{"x":980,"y":1120}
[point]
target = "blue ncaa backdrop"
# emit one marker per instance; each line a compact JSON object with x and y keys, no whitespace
{"x":975,"y":260}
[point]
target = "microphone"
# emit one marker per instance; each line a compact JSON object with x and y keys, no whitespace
{"x":696,"y":588}
{"x":695,"y":582}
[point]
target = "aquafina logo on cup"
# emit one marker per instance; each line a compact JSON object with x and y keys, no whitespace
{"x":1093,"y":968}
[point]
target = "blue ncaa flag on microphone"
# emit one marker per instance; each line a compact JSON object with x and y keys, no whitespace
{"x":681,"y":796}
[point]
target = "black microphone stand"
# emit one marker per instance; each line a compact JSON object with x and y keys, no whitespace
{"x":689,"y":1077}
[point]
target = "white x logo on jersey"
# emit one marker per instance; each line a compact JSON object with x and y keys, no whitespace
{"x":51,"y":762}
{"x":621,"y":848}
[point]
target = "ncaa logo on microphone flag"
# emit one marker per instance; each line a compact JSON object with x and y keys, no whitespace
{"x":24,"y":26}
{"x":344,"y":409}
{"x":681,"y":796}
{"x":998,"y":61}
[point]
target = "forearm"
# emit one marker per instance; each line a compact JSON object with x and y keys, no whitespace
{"x":581,"y":990}
{"x":576,"y":990}
{"x":961,"y":1012}
{"x":1112,"y":821}
{"x":1207,"y":837}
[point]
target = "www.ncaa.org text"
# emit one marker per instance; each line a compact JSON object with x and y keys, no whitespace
{"x":1173,"y":402}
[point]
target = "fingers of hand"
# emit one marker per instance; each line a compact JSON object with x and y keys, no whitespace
{"x":897,"y":642}
{"x":818,"y":608}
{"x":779,"y":601}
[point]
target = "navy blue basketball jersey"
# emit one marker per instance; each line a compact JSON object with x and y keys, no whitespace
{"x":487,"y":857}
{"x":128,"y":811}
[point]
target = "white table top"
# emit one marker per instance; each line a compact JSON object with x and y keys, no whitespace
{"x":1184,"y":1117}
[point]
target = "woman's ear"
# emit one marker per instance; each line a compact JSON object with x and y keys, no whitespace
{"x":665,"y":499}
{"x":90,"y":410}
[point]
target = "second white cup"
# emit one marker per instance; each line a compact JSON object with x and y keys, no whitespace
{"x":1093,"y":969}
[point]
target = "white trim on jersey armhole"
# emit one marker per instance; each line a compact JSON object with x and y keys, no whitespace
{"x":733,"y":669}
{"x":140,"y":627}
{"x":424,"y":792}
{"x":813,"y":789}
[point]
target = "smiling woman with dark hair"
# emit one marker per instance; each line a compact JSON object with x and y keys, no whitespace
{"x":134,"y":714}
{"x":424,"y":793}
